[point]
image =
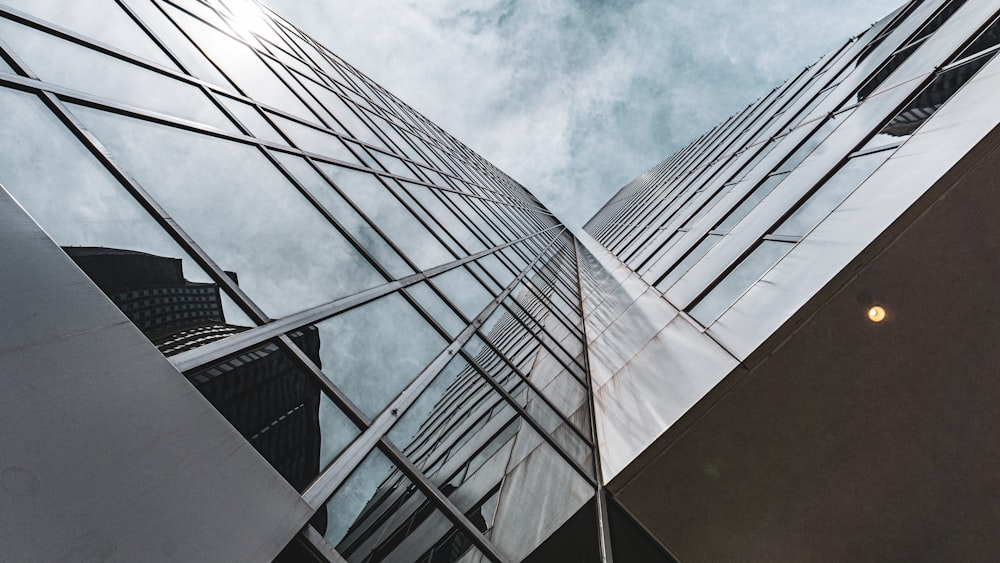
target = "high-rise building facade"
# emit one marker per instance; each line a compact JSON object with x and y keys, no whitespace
{"x":807,"y":290}
{"x":256,"y":307}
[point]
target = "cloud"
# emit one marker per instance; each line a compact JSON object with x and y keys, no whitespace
{"x":574,"y":98}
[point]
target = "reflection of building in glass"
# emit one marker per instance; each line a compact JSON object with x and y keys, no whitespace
{"x":262,"y":392}
{"x":174,"y":313}
{"x":696,"y":378}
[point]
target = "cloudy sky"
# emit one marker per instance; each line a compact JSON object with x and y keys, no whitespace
{"x":574,"y":98}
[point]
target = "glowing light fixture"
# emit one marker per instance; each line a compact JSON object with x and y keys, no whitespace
{"x":876,"y":314}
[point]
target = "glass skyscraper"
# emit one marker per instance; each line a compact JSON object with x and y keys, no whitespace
{"x":256,"y":307}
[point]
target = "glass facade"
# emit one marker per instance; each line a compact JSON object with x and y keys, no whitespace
{"x":691,"y":226}
{"x":439,"y":369}
{"x":220,"y":174}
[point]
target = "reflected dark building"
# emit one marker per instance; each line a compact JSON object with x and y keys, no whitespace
{"x":263,"y":392}
{"x":777,"y":344}
{"x":174,"y":313}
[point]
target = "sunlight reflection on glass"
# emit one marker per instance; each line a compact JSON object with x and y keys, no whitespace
{"x":248,"y":20}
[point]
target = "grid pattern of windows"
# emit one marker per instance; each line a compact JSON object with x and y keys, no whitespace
{"x":398,"y":327}
{"x":706,"y":224}
{"x":391,"y":321}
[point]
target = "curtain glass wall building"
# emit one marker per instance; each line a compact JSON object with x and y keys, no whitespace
{"x":436,"y":368}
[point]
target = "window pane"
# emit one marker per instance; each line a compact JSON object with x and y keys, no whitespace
{"x":192,"y":59}
{"x":441,"y":312}
{"x":464,"y":291}
{"x":933,"y":97}
{"x":74,"y":66}
{"x":697,"y":253}
{"x":252,"y":120}
{"x":241,"y":65}
{"x":451,"y":393}
{"x":379,"y":515}
{"x":831,"y":194}
{"x":348,"y":217}
{"x":105,"y":230}
{"x":315,"y":141}
{"x":811,"y":143}
{"x":737,"y":282}
{"x":278,"y":406}
{"x":100,"y":19}
{"x":374,"y":351}
{"x":382,"y":207}
{"x":989,"y":38}
{"x":241,"y":210}
{"x":751,"y":201}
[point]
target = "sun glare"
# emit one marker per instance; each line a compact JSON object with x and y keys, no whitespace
{"x":248,"y":20}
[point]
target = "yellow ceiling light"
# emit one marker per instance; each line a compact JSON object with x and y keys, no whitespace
{"x":876,"y":314}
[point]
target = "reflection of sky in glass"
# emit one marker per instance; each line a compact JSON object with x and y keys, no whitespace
{"x":242,"y":65}
{"x":346,"y":216}
{"x":337,"y":431}
{"x":100,"y":19}
{"x":382,"y":207}
{"x":346,"y":505}
{"x":41,"y":163}
{"x":464,"y":291}
{"x":247,"y":216}
{"x":418,"y":414}
{"x":80,"y":68}
{"x":190,"y":57}
{"x":831,"y":194}
{"x":739,"y":280}
{"x":369,"y":367}
{"x":432,"y":303}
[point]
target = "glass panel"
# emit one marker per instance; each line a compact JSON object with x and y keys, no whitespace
{"x":242,"y":65}
{"x":376,"y":350}
{"x":394,"y":165}
{"x":486,"y":278}
{"x":543,"y":414}
{"x":347,"y":216}
{"x":464,"y":291}
{"x":709,"y":205}
{"x":338,"y":108}
{"x":913,"y":44}
{"x":191,"y":58}
{"x":382,"y":207}
{"x":278,"y":406}
{"x":760,"y":156}
{"x":241,"y":210}
{"x":101,"y":19}
{"x":442,"y":313}
{"x":4,"y":67}
{"x":928,"y":101}
{"x":811,"y":143}
{"x":453,"y":227}
{"x":452,"y":391}
{"x":378,"y":514}
{"x":938,"y":20}
{"x":751,"y":201}
{"x":835,"y":190}
{"x":106,"y":231}
{"x":80,"y":68}
{"x":697,"y":253}
{"x":252,"y":120}
{"x":500,"y":271}
{"x":455,"y":545}
{"x":737,"y":282}
{"x":315,"y":141}
{"x":989,"y":38}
